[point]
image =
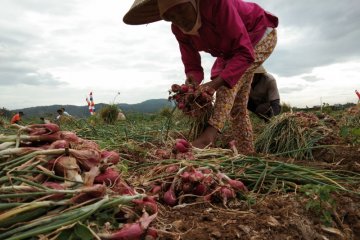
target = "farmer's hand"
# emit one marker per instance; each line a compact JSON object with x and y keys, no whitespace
{"x":191,"y":81}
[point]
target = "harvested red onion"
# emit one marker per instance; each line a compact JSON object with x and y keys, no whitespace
{"x":131,"y":231}
{"x":58,"y":144}
{"x":206,"y":171}
{"x":86,"y":158}
{"x":226,"y":193}
{"x":181,"y":105}
{"x":83,"y":144}
{"x":237,"y":185}
{"x":185,"y":176}
{"x":200,"y":190}
{"x":180,"y":147}
{"x":175,"y":88}
{"x":170,"y":197}
{"x":42,"y":129}
{"x":53,"y":185}
{"x":109,"y":177}
{"x":187,"y":187}
{"x":147,"y":203}
{"x":110,"y":156}
{"x":67,"y":166}
{"x":123,"y":188}
{"x":49,"y":138}
{"x":69,"y":136}
{"x":183,"y":142}
{"x":155,"y":189}
{"x":184,"y":88}
{"x":162,"y":154}
{"x":196,"y":176}
{"x":208,"y":180}
{"x":151,"y":234}
{"x":172,"y":168}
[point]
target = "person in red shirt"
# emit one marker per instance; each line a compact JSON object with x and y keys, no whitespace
{"x":240,"y":35}
{"x":17,"y":117}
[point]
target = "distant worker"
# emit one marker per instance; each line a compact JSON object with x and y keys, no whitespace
{"x":16,"y":118}
{"x":65,"y":113}
{"x":44,"y":120}
{"x":264,"y":98}
{"x":60,"y":114}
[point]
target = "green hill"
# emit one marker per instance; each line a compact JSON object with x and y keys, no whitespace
{"x":148,"y":106}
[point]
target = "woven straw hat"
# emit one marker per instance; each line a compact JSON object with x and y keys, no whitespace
{"x":260,"y":69}
{"x":142,"y":12}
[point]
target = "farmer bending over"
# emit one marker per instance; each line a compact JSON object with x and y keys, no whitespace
{"x":16,"y":118}
{"x":264,"y":99}
{"x":240,"y":35}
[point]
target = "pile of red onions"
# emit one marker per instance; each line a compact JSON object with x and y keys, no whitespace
{"x":181,"y":150}
{"x":83,"y":161}
{"x":192,"y":100}
{"x":197,"y":182}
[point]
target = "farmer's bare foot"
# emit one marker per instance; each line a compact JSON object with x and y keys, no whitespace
{"x":207,"y":138}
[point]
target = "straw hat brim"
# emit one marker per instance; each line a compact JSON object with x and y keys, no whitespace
{"x":142,"y":12}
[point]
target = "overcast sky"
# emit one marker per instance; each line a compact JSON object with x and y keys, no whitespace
{"x":56,"y":52}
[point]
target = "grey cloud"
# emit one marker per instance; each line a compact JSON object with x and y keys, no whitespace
{"x":312,"y":78}
{"x":17,"y":69}
{"x":14,"y":76}
{"x":288,"y":90}
{"x":330,"y":30}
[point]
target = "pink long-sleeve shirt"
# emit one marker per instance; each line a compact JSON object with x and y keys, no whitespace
{"x":230,"y":29}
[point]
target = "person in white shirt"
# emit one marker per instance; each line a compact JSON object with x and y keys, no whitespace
{"x":65,"y":113}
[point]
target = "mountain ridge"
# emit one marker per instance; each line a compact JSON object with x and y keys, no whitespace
{"x":148,"y":106}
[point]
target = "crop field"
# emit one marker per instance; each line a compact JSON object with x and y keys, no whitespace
{"x":99,"y":178}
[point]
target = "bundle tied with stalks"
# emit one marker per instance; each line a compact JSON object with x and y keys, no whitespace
{"x":179,"y":181}
{"x":109,"y":113}
{"x":294,"y":135}
{"x":176,"y":184}
{"x":196,"y":102}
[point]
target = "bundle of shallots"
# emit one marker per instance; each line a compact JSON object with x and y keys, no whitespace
{"x":200,"y":182}
{"x":192,"y":100}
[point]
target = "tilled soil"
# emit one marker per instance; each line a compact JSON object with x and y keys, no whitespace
{"x":276,"y":216}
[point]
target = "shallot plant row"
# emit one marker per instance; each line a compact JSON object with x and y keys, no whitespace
{"x":52,"y":179}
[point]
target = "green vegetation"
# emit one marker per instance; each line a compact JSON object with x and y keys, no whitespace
{"x":292,"y":135}
{"x":109,"y":114}
{"x":285,"y":139}
{"x":320,"y":201}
